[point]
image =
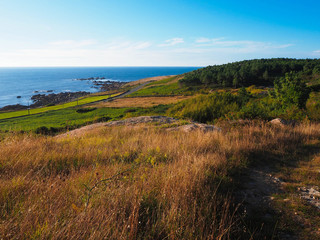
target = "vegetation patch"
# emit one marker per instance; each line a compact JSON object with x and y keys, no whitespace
{"x":81,"y":101}
{"x":62,"y":119}
{"x":141,"y":101}
{"x":158,"y":183}
{"x":261,"y":72}
{"x":85,"y":110}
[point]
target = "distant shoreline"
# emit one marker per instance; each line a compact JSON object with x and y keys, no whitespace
{"x":41,"y":100}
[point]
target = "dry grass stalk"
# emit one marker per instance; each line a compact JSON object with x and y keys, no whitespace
{"x":174,"y":192}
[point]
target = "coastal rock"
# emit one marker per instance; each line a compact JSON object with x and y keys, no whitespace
{"x":196,"y":126}
{"x":158,"y":120}
{"x":90,"y":78}
{"x":13,"y":107}
{"x":311,"y":195}
{"x":108,"y":85}
{"x":104,"y":85}
{"x":127,"y":122}
{"x":52,"y":99}
{"x":142,"y":119}
{"x":282,"y":122}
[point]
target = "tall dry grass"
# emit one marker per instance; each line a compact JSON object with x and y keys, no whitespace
{"x":165,"y":185}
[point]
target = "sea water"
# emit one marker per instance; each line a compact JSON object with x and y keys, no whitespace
{"x":25,"y":82}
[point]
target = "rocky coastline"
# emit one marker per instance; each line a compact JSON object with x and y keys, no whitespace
{"x":108,"y":85}
{"x":55,"y":98}
{"x":40,"y":100}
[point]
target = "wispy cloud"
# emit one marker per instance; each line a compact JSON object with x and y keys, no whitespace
{"x":238,"y":44}
{"x":128,"y":45}
{"x":316,"y":52}
{"x":73,"y":43}
{"x":142,"y":45}
{"x":123,"y":52}
{"x":83,"y":53}
{"x":203,"y":40}
{"x":172,"y":42}
{"x":208,"y":40}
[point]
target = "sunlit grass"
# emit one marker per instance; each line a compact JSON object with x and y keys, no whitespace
{"x":80,"y":101}
{"x":174,"y":185}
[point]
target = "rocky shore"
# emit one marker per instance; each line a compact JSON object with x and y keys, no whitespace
{"x":53,"y":98}
{"x":102,"y":84}
{"x":40,"y":100}
{"x":15,"y":107}
{"x":108,"y":85}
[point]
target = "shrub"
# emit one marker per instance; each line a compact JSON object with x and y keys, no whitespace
{"x":253,"y":110}
{"x":85,"y":110}
{"x":47,"y":131}
{"x":291,"y":90}
{"x":207,"y":108}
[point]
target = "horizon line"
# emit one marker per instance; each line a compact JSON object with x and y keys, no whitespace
{"x":87,"y":66}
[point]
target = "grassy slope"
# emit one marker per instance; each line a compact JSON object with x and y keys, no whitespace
{"x":64,"y":118}
{"x":173,"y":185}
{"x":141,"y":101}
{"x":65,"y":115}
{"x":177,"y":185}
{"x":81,"y":101}
{"x":166,"y":87}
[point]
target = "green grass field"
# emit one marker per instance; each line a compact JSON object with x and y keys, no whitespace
{"x":63,"y":118}
{"x":161,"y":90}
{"x":69,"y":118}
{"x":81,"y":101}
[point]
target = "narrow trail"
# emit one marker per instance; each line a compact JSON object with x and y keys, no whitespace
{"x":261,"y":187}
{"x":126,"y":93}
{"x":122,"y":94}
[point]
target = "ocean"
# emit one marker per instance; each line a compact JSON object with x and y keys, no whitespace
{"x":25,"y":82}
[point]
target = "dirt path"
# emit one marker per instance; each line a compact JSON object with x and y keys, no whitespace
{"x":143,"y":82}
{"x":130,"y":91}
{"x":255,"y":196}
{"x":288,"y":198}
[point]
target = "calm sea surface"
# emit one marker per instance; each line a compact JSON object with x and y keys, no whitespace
{"x":25,"y":81}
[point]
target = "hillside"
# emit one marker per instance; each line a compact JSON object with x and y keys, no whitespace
{"x":260,"y":72}
{"x":97,"y":169}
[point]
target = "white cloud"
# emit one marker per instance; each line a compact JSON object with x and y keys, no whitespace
{"x":284,"y":45}
{"x":123,"y":52}
{"x":123,"y":44}
{"x":172,"y":42}
{"x":202,"y":40}
{"x":73,"y":43}
{"x":81,"y":53}
{"x":239,"y":44}
{"x":142,"y":45}
{"x":207,"y":40}
{"x":316,"y":52}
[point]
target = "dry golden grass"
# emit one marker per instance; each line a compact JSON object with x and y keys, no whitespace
{"x":171,"y":191}
{"x":141,"y":101}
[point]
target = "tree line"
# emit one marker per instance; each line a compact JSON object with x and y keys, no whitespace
{"x":262,"y":72}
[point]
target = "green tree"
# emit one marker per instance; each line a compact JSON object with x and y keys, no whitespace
{"x":244,"y":96}
{"x":265,"y":75}
{"x":291,"y":90}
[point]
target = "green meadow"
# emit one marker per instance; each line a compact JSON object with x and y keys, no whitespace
{"x":80,"y":101}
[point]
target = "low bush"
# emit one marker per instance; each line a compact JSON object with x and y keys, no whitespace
{"x":47,"y":130}
{"x":85,"y":110}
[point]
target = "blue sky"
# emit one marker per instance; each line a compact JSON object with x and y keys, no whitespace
{"x":155,"y":32}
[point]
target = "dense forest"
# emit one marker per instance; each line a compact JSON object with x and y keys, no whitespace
{"x":262,"y":72}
